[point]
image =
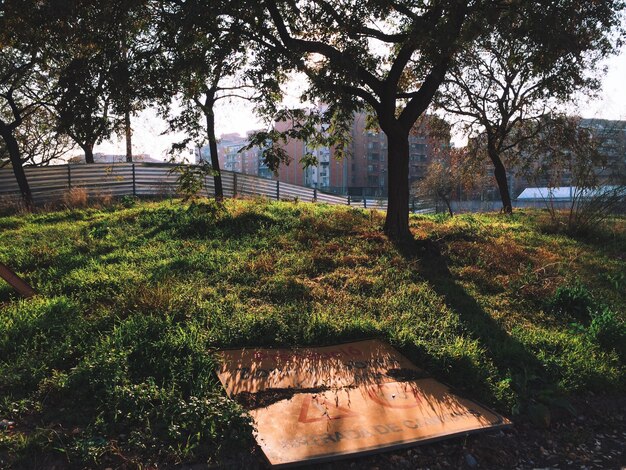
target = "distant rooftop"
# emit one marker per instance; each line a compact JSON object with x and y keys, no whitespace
{"x":562,"y":193}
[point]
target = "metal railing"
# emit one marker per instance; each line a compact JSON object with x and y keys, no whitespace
{"x":157,"y":179}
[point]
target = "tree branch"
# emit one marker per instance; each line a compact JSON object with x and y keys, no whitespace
{"x":336,"y":57}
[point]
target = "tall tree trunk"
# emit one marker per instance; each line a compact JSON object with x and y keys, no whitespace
{"x":16,"y":162}
{"x":397,"y":220}
{"x":503,"y":185}
{"x":129,"y":137}
{"x":215,"y":161}
{"x":88,"y":149}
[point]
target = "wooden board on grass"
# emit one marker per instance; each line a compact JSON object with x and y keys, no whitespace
{"x":343,"y":365}
{"x":348,"y":400}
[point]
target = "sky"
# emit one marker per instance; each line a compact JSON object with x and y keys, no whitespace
{"x":238,"y":116}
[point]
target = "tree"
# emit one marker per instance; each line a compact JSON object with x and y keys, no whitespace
{"x":331,"y":42}
{"x":24,"y":80}
{"x":85,"y":104}
{"x":205,"y":57}
{"x":447,"y":174}
{"x":438,"y":184}
{"x":133,"y":72}
{"x":391,"y":57}
{"x":507,"y":80}
{"x":12,"y":112}
{"x":568,"y":151}
{"x":38,"y":140}
{"x":101,"y":53}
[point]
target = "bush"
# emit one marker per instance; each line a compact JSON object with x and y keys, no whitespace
{"x":10,"y":205}
{"x":609,"y":331}
{"x":192,"y":179}
{"x":128,"y":201}
{"x":574,"y":301}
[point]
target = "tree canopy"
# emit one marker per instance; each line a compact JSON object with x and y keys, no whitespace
{"x":392,"y":56}
{"x":204,"y":60}
{"x":516,"y":75}
{"x":101,"y":53}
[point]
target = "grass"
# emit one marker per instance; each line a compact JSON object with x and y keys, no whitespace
{"x":112,"y":363}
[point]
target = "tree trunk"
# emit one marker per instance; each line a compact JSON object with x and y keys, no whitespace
{"x":397,"y":220}
{"x":88,"y":149}
{"x":129,"y":137}
{"x":16,"y":162}
{"x":449,"y":206}
{"x":503,"y":185}
{"x":215,"y":161}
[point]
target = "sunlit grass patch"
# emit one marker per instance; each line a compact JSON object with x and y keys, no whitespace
{"x":113,"y":360}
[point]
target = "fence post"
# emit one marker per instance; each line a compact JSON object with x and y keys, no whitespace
{"x":134,"y":182}
{"x":314,"y":194}
{"x":278,"y":190}
{"x":412,"y":203}
{"x":365,"y":202}
{"x":234,"y":184}
{"x":348,"y":199}
{"x":69,"y":176}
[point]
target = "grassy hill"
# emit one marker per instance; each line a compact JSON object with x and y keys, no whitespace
{"x":112,"y":362}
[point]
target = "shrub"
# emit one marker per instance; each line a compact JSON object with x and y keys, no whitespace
{"x":128,"y":201}
{"x":574,"y":301}
{"x":192,"y":179}
{"x":105,"y":198}
{"x":609,"y":331}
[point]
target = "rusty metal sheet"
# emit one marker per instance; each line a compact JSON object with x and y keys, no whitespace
{"x":368,"y":398}
{"x":343,"y":365}
{"x":370,"y":418}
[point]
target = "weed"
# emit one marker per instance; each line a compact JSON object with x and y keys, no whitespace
{"x":574,"y":301}
{"x":75,"y":197}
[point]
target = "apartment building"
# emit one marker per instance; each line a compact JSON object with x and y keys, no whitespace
{"x":363,"y":173}
{"x":233,"y":157}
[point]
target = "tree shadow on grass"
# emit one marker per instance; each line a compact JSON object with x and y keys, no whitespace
{"x":203,"y":222}
{"x":510,"y":357}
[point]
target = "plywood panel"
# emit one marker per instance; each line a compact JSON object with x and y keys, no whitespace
{"x":347,"y":399}
{"x":344,"y":365}
{"x":369,"y":418}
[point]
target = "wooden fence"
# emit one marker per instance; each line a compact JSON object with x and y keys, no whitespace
{"x":158,"y":179}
